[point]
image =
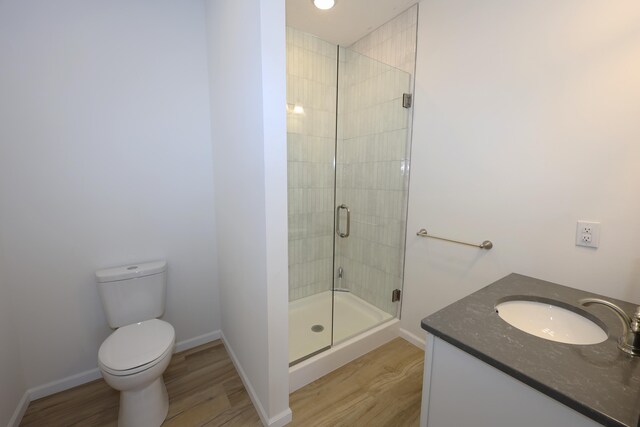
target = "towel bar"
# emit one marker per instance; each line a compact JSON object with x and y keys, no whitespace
{"x":487,"y":244}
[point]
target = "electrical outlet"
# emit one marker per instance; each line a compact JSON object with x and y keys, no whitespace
{"x":588,"y":234}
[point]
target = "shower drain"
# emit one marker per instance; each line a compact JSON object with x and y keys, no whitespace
{"x":317,"y":328}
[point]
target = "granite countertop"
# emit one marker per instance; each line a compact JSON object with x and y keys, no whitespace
{"x":599,"y":381}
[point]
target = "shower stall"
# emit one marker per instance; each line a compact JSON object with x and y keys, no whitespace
{"x":348,"y":137}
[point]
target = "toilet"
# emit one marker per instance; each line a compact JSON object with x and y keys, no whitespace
{"x":134,"y":357}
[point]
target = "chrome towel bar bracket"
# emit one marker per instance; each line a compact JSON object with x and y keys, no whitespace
{"x":487,"y":244}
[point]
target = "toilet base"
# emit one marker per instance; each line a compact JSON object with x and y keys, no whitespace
{"x":146,"y":407}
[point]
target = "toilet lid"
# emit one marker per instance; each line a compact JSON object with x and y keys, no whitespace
{"x":136,"y":345}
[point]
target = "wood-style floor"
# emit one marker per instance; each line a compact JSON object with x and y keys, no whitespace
{"x":382,"y":388}
{"x":203,"y":386}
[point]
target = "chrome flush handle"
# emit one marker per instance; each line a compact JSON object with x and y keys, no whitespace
{"x":629,"y":342}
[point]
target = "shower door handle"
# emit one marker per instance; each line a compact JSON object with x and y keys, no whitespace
{"x":338,"y":230}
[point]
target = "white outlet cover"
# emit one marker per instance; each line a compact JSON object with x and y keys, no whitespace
{"x":586,"y":229}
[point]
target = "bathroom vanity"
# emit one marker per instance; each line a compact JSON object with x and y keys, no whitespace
{"x":481,"y":371}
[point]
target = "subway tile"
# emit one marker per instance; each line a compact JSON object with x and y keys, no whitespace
{"x":373,"y":149}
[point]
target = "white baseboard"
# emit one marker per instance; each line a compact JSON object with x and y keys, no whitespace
{"x":245,"y":381}
{"x":320,"y":365}
{"x":93,"y":374}
{"x":20,"y":410}
{"x":62,"y":384}
{"x":196,"y":341}
{"x":279,"y":420}
{"x":75,"y":380}
{"x":282,"y":419}
{"x":247,"y":384}
{"x":412,"y":338}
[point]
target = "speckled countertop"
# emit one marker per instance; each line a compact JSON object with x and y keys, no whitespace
{"x":599,"y":380}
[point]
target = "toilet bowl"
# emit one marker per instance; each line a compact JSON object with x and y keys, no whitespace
{"x":132,"y":360}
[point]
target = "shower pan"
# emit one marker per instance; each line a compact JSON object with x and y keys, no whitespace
{"x":348,"y":138}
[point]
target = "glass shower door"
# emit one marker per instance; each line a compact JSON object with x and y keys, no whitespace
{"x":347,"y":140}
{"x":311,"y":130}
{"x":372,"y":171}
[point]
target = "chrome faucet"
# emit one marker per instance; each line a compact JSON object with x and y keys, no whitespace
{"x":629,"y":342}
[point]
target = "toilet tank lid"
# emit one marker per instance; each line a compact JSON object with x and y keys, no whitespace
{"x":130,"y":271}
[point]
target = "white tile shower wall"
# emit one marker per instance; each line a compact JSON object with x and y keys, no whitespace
{"x":373,"y":157}
{"x":371,"y":176}
{"x":311,"y":84}
{"x":393,"y":43}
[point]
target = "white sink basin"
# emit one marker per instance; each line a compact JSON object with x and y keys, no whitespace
{"x":550,"y":322}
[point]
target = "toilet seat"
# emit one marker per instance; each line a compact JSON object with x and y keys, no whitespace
{"x":137,"y":347}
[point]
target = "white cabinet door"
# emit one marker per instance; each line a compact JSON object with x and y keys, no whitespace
{"x":460,"y":390}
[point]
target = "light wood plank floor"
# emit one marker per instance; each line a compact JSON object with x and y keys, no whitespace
{"x":203,"y":386}
{"x":382,"y":388}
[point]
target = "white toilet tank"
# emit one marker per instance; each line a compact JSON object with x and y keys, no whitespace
{"x":133,"y":293}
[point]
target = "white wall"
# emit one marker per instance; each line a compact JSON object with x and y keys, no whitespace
{"x":12,"y":385}
{"x":105,"y":159}
{"x":526,"y":120}
{"x":247,"y":82}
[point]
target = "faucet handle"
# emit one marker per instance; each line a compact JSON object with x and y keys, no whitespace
{"x":635,"y":321}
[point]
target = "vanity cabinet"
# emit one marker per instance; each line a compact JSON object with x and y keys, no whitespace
{"x":460,"y":390}
{"x":480,"y":371}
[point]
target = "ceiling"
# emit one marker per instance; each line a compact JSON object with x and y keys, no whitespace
{"x":347,"y":21}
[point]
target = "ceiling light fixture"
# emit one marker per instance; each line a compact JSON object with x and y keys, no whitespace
{"x":324,"y":4}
